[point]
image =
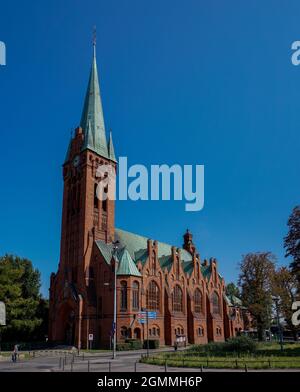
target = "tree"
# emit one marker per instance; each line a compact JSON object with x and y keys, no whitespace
{"x":19,"y":289}
{"x":255,"y":281}
{"x":285,"y":287}
{"x":232,"y":289}
{"x":292,"y":242}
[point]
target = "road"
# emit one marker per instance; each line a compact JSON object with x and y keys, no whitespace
{"x":125,"y":362}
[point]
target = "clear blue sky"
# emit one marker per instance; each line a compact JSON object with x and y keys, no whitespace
{"x":193,"y":82}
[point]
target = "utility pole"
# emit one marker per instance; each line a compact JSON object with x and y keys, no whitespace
{"x":114,"y":327}
{"x":276,"y":300}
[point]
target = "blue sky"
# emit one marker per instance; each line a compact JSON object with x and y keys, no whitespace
{"x":194,"y":82}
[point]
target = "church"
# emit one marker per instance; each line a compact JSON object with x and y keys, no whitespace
{"x":185,"y":295}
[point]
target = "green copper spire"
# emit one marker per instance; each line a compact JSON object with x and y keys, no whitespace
{"x":92,"y":121}
{"x":111,"y":150}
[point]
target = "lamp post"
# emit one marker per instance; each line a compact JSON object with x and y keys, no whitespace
{"x":114,"y":328}
{"x":276,"y":300}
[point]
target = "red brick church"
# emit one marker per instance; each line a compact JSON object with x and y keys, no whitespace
{"x":187,"y":294}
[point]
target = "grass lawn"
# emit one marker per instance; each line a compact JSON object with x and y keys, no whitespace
{"x":268,"y":355}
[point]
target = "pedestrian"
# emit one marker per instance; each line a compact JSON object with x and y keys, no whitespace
{"x":175,"y":346}
{"x":15,"y":353}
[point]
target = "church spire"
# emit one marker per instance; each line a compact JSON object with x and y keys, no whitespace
{"x":92,"y":120}
{"x":111,"y":150}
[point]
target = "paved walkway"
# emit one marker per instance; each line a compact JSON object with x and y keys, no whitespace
{"x":101,"y":362}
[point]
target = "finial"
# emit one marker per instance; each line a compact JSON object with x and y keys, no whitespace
{"x":94,"y":40}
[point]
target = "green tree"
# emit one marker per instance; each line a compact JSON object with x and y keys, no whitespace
{"x":255,"y":281}
{"x":285,"y":287}
{"x":232,"y":289}
{"x":19,"y":289}
{"x":292,"y":242}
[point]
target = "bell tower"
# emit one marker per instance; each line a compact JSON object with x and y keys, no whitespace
{"x":85,"y":216}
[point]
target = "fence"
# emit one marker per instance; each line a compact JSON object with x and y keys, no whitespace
{"x":230,"y":363}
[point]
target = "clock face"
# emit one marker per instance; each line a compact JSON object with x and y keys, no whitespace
{"x":76,"y":161}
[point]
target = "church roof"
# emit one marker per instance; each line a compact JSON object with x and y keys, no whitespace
{"x":126,"y":265}
{"x":137,"y":247}
{"x":232,"y":300}
{"x":92,"y":120}
{"x":111,"y":150}
{"x":134,"y":248}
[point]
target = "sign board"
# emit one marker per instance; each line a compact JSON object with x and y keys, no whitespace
{"x":91,"y":337}
{"x":2,"y":313}
{"x":152,"y":315}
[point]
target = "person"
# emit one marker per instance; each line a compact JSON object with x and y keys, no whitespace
{"x":15,"y":353}
{"x":175,"y":346}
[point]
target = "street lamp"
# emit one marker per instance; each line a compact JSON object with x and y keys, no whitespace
{"x":114,"y":328}
{"x":276,"y":300}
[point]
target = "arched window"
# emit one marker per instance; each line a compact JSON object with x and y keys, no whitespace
{"x":95,"y":196}
{"x":177,"y":299}
{"x":123,"y":295}
{"x":201,"y":331}
{"x":135,"y":296}
{"x":198,"y":301}
{"x":153,"y":263}
{"x":215,"y":303}
{"x":124,"y":332}
{"x":152,"y":296}
{"x":177,"y":268}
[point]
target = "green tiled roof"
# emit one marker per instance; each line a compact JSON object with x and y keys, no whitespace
{"x":232,"y":300}
{"x":206,"y":271}
{"x":126,"y":264}
{"x":92,"y":120}
{"x":137,"y":247}
{"x":111,"y":150}
{"x":136,"y":250}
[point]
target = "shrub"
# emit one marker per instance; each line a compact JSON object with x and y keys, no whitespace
{"x":123,"y":346}
{"x":153,"y":343}
{"x":241,"y":344}
{"x":135,"y":344}
{"x":238,"y":345}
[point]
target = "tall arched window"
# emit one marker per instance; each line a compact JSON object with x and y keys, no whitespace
{"x":198,"y":301}
{"x":95,"y":196}
{"x":153,"y":263}
{"x":215,"y":303}
{"x":177,"y":299}
{"x":198,"y":272}
{"x":152,"y":296}
{"x":177,"y":268}
{"x":135,"y":296}
{"x":123,"y":295}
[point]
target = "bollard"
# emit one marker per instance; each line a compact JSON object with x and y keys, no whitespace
{"x":166,"y":366}
{"x":269,"y":363}
{"x":246,"y":369}
{"x":60,"y":362}
{"x":109,"y":367}
{"x":71,"y":366}
{"x":63,"y":366}
{"x":201,"y":368}
{"x":88,"y":365}
{"x":135,"y":366}
{"x":236,"y":363}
